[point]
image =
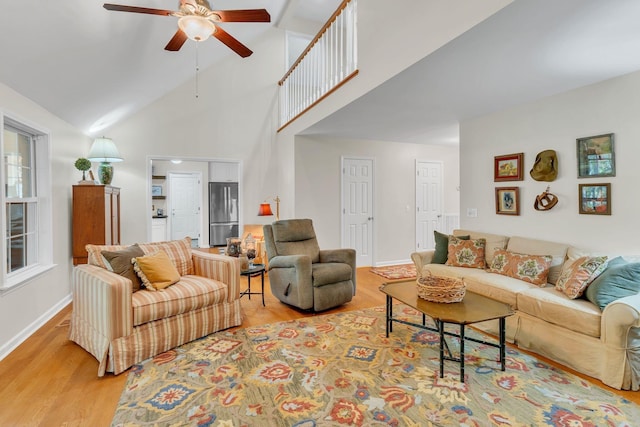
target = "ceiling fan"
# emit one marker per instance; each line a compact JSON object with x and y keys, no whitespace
{"x":197,"y":21}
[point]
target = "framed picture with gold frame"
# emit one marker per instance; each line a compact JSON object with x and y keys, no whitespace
{"x":595,"y":199}
{"x":508,"y":167}
{"x":508,"y":200}
{"x":596,"y":157}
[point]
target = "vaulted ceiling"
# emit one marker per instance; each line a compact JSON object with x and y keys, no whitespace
{"x":93,"y":67}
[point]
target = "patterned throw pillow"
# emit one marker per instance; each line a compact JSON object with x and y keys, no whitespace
{"x":529,"y":268}
{"x":575,"y":278}
{"x":440,"y":254}
{"x":466,"y":253}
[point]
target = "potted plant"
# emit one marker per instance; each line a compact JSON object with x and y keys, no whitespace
{"x":84,"y":165}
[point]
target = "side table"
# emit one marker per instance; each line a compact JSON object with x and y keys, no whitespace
{"x":254,"y":271}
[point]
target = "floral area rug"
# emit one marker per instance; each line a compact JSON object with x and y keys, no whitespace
{"x":394,"y":272}
{"x":341,"y":370}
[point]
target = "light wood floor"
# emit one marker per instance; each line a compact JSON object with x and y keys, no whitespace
{"x":50,"y":381}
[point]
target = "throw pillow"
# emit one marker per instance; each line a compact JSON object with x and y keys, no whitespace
{"x":466,"y":253}
{"x":156,"y":270}
{"x":619,"y":280}
{"x":120,"y":263}
{"x":442,"y":247}
{"x":575,"y":278}
{"x":529,"y":268}
{"x":179,"y":252}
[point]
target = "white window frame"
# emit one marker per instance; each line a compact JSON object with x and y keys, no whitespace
{"x":41,"y":155}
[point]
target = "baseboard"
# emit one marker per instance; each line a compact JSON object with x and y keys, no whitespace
{"x":13,"y":343}
{"x":389,"y":263}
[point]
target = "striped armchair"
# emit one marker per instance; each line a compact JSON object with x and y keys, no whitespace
{"x":120,"y":327}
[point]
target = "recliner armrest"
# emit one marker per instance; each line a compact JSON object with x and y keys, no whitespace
{"x":291,"y":261}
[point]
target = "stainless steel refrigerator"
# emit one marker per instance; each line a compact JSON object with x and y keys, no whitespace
{"x":223,"y":212}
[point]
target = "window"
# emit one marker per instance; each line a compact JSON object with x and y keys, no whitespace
{"x":26,"y":215}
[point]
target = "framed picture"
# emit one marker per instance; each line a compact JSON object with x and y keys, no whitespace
{"x":156,"y":190}
{"x":596,"y":156}
{"x":595,"y":199}
{"x":508,"y":167}
{"x":508,"y":200}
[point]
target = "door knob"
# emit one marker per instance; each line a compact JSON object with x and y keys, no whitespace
{"x":370,"y":218}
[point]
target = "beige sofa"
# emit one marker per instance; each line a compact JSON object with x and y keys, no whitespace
{"x":574,"y":332}
{"x":120,"y":327}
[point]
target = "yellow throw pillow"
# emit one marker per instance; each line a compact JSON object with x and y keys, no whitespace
{"x":156,"y":270}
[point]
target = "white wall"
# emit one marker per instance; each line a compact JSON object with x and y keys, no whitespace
{"x":234,"y":118}
{"x":318,"y":189}
{"x":25,"y":309}
{"x":555,"y":123}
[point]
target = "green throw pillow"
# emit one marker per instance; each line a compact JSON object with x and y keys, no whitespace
{"x":442,"y":247}
{"x":620,"y":279}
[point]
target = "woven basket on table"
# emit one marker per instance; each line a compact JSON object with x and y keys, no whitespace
{"x":441,"y":289}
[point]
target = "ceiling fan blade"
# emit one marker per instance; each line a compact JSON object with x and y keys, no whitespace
{"x":247,"y":15}
{"x":176,"y":41}
{"x":232,"y":42}
{"x":121,"y":8}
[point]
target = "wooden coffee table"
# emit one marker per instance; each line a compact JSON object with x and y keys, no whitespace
{"x":473,"y":308}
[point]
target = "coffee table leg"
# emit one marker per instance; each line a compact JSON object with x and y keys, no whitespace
{"x":442,"y":342}
{"x":388,"y":319}
{"x":503,"y":333}
{"x":461,"y":353}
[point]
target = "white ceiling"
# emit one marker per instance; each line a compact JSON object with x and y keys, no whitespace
{"x":93,"y":67}
{"x":528,"y":50}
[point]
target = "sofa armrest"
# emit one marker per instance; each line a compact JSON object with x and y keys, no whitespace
{"x":223,"y":268}
{"x":101,"y":310}
{"x":618,"y":318}
{"x":420,"y":259}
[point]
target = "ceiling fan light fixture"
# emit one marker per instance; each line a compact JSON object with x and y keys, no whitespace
{"x":196,"y":27}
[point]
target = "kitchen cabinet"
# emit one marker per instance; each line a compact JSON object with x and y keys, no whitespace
{"x":95,"y":218}
{"x":158,"y":229}
{"x":223,"y":171}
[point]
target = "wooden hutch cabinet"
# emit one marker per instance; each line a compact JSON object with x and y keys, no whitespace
{"x":96,"y":218}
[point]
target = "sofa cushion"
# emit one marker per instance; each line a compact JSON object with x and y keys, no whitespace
{"x":493,"y":242}
{"x":179,"y":252}
{"x":188,"y":294}
{"x":575,"y":277}
{"x":441,"y":251}
{"x":156,"y":270}
{"x":620,"y":279}
{"x":496,"y":286}
{"x":530,"y":268}
{"x":555,"y":307}
{"x":451,"y":271}
{"x":120,"y":263}
{"x":558,"y":252}
{"x":328,"y":273}
{"x":466,"y":253}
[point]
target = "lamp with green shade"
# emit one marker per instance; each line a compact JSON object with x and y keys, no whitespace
{"x":103,"y":150}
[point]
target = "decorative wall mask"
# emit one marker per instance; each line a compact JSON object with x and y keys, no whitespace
{"x":545,"y":167}
{"x":545,"y":201}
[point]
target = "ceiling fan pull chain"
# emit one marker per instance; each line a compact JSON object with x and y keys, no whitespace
{"x":197,"y":69}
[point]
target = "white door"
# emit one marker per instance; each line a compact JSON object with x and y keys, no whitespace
{"x":428,"y":203}
{"x":185,"y":191}
{"x":357,"y":208}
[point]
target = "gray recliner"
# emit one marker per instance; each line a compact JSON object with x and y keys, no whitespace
{"x":301,"y":274}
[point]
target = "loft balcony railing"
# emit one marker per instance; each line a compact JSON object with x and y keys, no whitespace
{"x":330,"y":60}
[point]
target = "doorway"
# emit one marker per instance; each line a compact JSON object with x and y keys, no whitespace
{"x":185,"y":205}
{"x":429,"y":201}
{"x":357,"y":208}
